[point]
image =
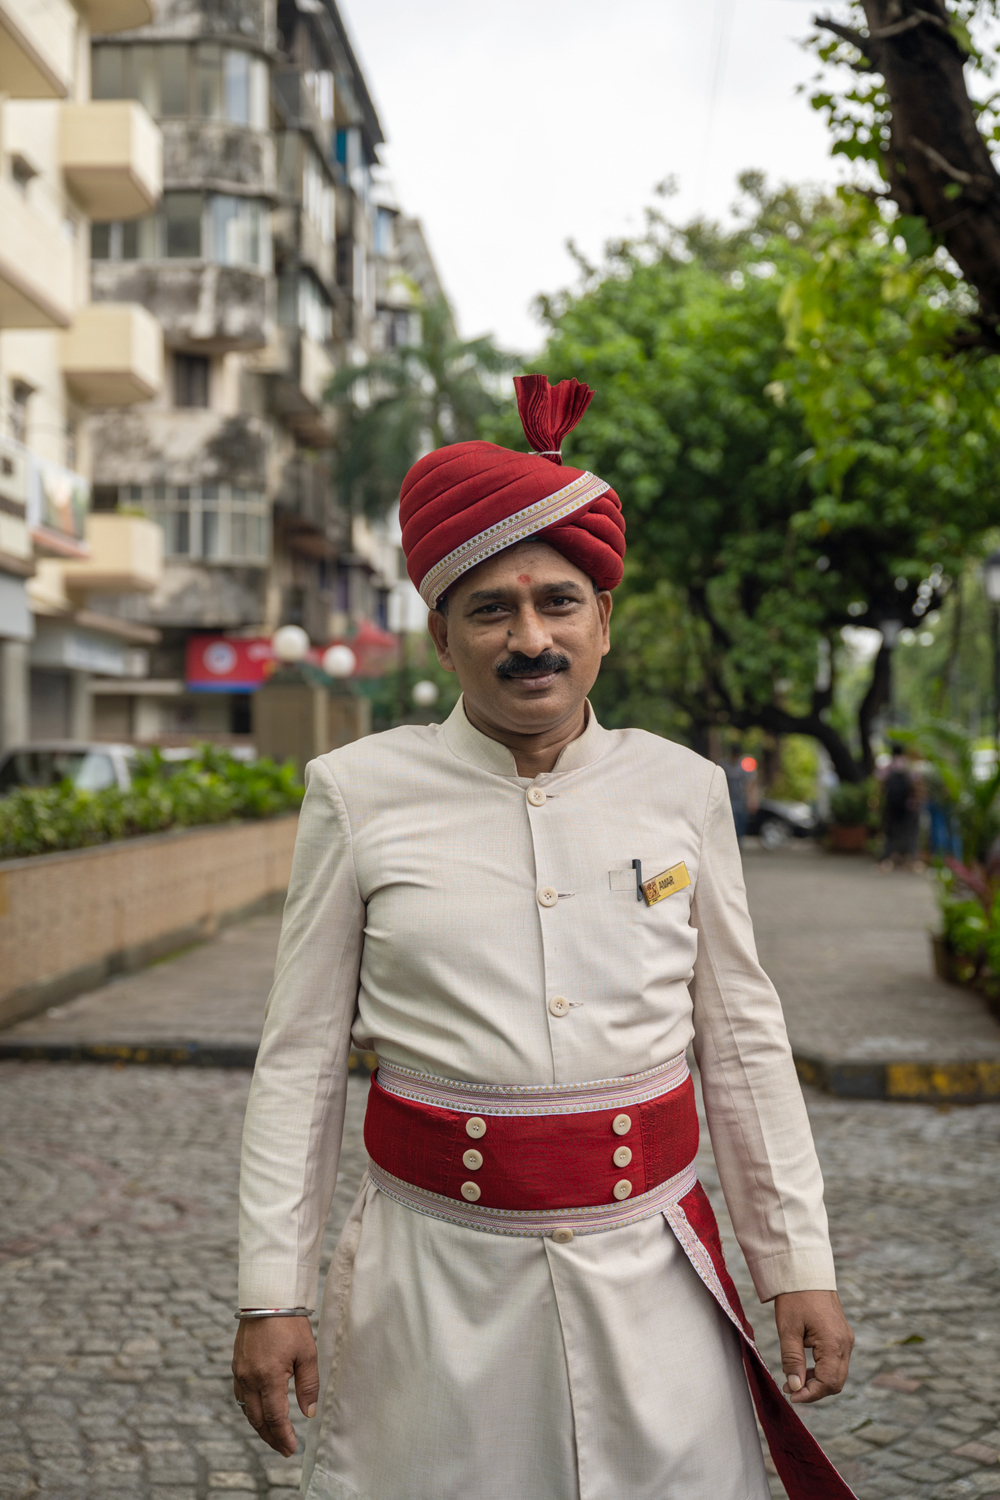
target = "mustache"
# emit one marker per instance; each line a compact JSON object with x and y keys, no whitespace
{"x":519,"y":665}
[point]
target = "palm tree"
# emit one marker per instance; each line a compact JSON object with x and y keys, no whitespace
{"x":411,"y":399}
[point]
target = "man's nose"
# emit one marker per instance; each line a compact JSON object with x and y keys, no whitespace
{"x":529,"y":634}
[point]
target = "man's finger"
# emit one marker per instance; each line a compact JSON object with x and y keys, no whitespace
{"x":307,"y":1383}
{"x":793,"y":1360}
{"x":277,"y":1421}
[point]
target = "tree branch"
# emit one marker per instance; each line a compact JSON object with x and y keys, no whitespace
{"x":846,"y":33}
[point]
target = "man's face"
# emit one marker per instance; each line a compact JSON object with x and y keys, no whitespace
{"x":525,"y":632}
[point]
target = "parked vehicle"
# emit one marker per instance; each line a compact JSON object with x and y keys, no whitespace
{"x":90,"y":767}
{"x":775,"y":822}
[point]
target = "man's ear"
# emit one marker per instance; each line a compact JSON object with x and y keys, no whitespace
{"x":605,"y":605}
{"x":437,"y":625}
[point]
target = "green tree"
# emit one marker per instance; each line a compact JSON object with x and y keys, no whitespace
{"x":794,"y":450}
{"x":409,"y":399}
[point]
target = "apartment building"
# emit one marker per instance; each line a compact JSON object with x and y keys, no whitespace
{"x":269,"y":263}
{"x":66,"y":160}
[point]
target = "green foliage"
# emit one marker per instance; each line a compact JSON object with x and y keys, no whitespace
{"x":212,"y":787}
{"x":413,"y":397}
{"x":973,"y":804}
{"x":795,"y":448}
{"x":797,"y":767}
{"x":855,"y":803}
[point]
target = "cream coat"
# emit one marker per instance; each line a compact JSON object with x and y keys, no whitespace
{"x":463,"y":1364}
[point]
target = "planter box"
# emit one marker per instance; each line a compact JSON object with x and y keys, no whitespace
{"x":70,"y":920}
{"x":953,"y":968}
{"x":847,"y":839}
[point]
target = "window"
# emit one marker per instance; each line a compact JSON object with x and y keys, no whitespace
{"x":385,"y":223}
{"x":20,"y":394}
{"x":315,"y":316}
{"x":191,"y":226}
{"x":240,"y":232}
{"x":202,"y":80}
{"x":317,"y":196}
{"x":212,"y":522}
{"x":22,"y":171}
{"x":190,"y":380}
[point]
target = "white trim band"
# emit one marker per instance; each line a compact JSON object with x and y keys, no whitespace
{"x":534,"y":1098}
{"x":537,"y":1222}
{"x":516,"y":528}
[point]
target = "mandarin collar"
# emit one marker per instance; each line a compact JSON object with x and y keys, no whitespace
{"x":470,"y":744}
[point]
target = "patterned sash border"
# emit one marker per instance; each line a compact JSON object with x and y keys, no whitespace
{"x":534,"y":1098}
{"x":536,"y":1222}
{"x":515,"y":528}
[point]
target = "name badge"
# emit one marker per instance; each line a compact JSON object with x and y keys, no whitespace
{"x":661,"y":886}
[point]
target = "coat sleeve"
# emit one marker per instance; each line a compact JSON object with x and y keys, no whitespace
{"x":757,"y":1118}
{"x":295,"y":1114}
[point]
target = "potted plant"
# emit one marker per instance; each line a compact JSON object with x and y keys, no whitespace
{"x":853,"y":813}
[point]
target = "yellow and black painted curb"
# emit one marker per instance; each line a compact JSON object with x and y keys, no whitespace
{"x":172,"y":1054}
{"x":913,"y":1082}
{"x":905,"y":1082}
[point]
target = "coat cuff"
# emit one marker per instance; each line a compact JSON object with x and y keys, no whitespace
{"x":794,"y":1271}
{"x":279,"y":1285}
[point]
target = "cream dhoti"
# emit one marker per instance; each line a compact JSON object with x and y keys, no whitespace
{"x":554,"y":1162}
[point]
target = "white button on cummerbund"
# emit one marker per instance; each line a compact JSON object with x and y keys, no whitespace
{"x":547,"y":896}
{"x":562,"y":1236}
{"x":536,"y":796}
{"x":621,"y":1189}
{"x":470,"y":1190}
{"x":475,"y":1127}
{"x":621,"y":1124}
{"x":474,"y":1159}
{"x":559,"y":1005}
{"x":622,"y":1156}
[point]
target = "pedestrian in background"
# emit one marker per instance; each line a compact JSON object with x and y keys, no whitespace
{"x":900,"y":812}
{"x":529,"y":918}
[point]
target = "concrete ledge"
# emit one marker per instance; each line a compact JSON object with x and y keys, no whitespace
{"x":172,"y":1054}
{"x":923,"y":1082}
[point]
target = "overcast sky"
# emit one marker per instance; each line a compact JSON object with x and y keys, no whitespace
{"x":515,"y":125}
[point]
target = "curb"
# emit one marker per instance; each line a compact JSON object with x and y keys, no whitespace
{"x":920,"y":1083}
{"x":172,"y":1054}
{"x":903,"y":1082}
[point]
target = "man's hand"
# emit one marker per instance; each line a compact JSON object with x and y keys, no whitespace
{"x":268,"y":1352}
{"x":813,"y":1320}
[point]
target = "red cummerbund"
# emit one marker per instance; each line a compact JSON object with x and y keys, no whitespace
{"x":536,"y":1160}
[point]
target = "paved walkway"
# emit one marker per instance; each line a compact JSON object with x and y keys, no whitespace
{"x":846,"y":945}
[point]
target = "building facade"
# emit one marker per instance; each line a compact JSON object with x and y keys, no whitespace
{"x":269,"y":263}
{"x":65,"y":161}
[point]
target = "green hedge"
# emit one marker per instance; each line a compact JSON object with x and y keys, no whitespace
{"x":212,"y":787}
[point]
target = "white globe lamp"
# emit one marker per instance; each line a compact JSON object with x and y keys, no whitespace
{"x":290,"y":644}
{"x":425,"y":694}
{"x":339,"y":661}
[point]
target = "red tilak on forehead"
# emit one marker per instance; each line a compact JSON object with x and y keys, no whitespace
{"x":524,"y":577}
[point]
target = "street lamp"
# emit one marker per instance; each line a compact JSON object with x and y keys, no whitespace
{"x":991,"y":588}
{"x":425,"y":694}
{"x":290,"y":644}
{"x":339,"y":661}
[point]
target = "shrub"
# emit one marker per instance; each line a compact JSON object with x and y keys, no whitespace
{"x":854,"y":803}
{"x":212,"y":787}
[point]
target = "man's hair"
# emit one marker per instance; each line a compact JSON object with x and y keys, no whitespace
{"x":442,"y":605}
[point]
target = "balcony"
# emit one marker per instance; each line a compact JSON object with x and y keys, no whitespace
{"x":299,"y":371}
{"x":208,"y":308}
{"x":36,"y":266}
{"x":37,"y":43}
{"x":213,"y":156}
{"x":112,"y":355}
{"x":126,"y":557}
{"x":15,"y":480}
{"x":111,"y":154}
{"x":116,"y":15}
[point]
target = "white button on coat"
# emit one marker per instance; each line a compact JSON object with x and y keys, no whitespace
{"x":536,"y":796}
{"x":470,"y":1190}
{"x":547,"y":895}
{"x":562,"y":1236}
{"x":622,"y":1156}
{"x":475,"y":1127}
{"x":559,"y":1005}
{"x":621,"y":1124}
{"x":474,"y":1159}
{"x":621,"y":1189}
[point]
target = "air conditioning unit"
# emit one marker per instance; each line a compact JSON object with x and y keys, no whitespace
{"x":14,"y":470}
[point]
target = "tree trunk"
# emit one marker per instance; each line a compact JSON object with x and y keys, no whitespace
{"x":875,"y":698}
{"x":936,"y":163}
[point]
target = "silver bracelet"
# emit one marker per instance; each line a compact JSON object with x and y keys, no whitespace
{"x":274,"y":1312}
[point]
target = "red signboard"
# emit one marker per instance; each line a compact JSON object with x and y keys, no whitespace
{"x":227,"y":664}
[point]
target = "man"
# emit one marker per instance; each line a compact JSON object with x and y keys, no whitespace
{"x":528,"y":918}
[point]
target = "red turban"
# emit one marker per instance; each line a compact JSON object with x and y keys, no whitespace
{"x":462,"y":504}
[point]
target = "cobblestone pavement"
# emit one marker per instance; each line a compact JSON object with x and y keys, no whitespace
{"x":118,"y":1273}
